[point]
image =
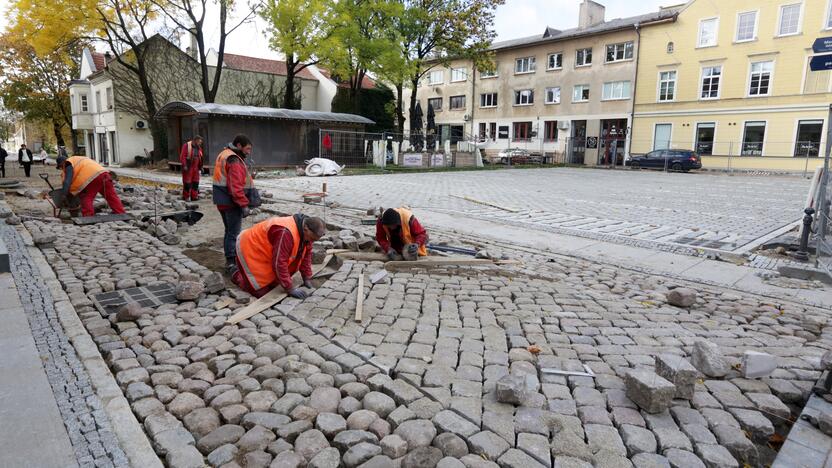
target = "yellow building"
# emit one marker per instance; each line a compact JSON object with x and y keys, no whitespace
{"x":731,"y":80}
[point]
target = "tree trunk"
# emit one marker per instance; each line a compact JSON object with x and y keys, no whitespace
{"x":400,"y":112}
{"x":289,"y":94}
{"x":56,"y":128}
{"x":415,"y":83}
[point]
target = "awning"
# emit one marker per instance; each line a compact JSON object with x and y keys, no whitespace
{"x":180,"y":108}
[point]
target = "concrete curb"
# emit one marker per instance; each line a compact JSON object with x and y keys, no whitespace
{"x":125,"y":426}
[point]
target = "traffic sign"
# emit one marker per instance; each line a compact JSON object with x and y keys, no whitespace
{"x":822,"y":45}
{"x":821,"y":62}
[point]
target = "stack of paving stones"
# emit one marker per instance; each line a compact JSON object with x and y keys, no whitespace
{"x":414,"y":383}
{"x":87,"y":425}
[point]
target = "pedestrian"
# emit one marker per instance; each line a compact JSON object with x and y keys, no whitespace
{"x":62,"y":152}
{"x":24,"y":157}
{"x":232,"y":188}
{"x":85,"y":178}
{"x":43,"y":155}
{"x":400,"y":235}
{"x":271,"y":251}
{"x":3,"y":155}
{"x":192,"y":162}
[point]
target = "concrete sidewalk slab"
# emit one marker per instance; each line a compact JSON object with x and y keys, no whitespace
{"x":32,"y":432}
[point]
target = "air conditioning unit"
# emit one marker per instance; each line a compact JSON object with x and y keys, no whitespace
{"x":140,"y":125}
{"x":563,"y":124}
{"x":467,"y":117}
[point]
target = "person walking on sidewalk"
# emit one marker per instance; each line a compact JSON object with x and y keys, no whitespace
{"x":24,"y":157}
{"x":400,"y":235}
{"x":232,"y":188}
{"x":192,"y":162}
{"x":3,"y":155}
{"x":85,"y":178}
{"x":270,"y":252}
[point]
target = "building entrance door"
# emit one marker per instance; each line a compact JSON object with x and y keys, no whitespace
{"x":613,"y":137}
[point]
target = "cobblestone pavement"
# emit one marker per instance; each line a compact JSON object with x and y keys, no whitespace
{"x":303,"y":384}
{"x":86,"y":422}
{"x":717,"y":211}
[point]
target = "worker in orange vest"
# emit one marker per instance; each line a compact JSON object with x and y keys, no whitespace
{"x":192,"y":161}
{"x":400,"y":235}
{"x":270,"y":252}
{"x":85,"y":178}
{"x":233,"y":188}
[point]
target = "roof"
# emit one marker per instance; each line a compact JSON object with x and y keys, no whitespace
{"x":99,"y":60}
{"x":260,"y":65}
{"x":366,"y":82}
{"x":233,"y":110}
{"x":552,"y":35}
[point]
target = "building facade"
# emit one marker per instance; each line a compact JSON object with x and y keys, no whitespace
{"x":731,"y":80}
{"x":565,"y":94}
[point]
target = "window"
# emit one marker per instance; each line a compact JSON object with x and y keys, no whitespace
{"x":661,"y":136}
{"x":109,"y":98}
{"x":489,"y":74}
{"x":85,"y":106}
{"x":524,"y":97}
{"x":705,"y":138}
{"x":619,"y":52}
{"x":828,"y":23}
{"x":580,"y":93}
{"x":98,"y":101}
{"x":555,"y":61}
{"x":488,"y":100}
{"x":456,"y":102}
{"x":583,"y":57}
{"x":708,"y":29}
{"x":492,"y":130}
{"x":667,"y":86}
{"x":553,"y":95}
{"x":459,"y":74}
{"x":760,"y":78}
{"x":436,"y":103}
{"x":550,"y":132}
{"x":746,"y":26}
{"x":710,"y":82}
{"x":522,"y":131}
{"x":789,"y":19}
{"x":483,"y":135}
{"x":807,"y":143}
{"x":435,"y":77}
{"x":503,"y":135}
{"x":524,"y":65}
{"x":670,"y":47}
{"x":616,"y":90}
{"x":752,"y":138}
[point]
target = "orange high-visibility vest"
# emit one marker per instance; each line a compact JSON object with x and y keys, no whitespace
{"x":407,"y":237}
{"x":255,"y":252}
{"x":84,"y":171}
{"x":221,"y":195}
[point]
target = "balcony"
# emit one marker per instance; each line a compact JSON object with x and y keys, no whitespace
{"x":82,"y":121}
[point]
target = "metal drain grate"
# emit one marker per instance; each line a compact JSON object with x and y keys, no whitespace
{"x":147,"y":296}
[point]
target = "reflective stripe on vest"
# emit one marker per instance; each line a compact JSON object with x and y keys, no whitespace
{"x":407,"y":237}
{"x":255,"y":252}
{"x":221,"y":195}
{"x":84,"y":171}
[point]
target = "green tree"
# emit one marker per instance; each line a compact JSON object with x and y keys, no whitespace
{"x":374,"y":103}
{"x":302,"y":30}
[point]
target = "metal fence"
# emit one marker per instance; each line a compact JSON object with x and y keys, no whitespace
{"x":823,"y":247}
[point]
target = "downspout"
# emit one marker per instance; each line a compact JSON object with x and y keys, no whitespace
{"x":635,"y":92}
{"x":473,"y":94}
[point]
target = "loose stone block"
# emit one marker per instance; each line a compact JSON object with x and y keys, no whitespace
{"x":681,"y":297}
{"x":757,"y":365}
{"x":515,"y":389}
{"x":678,"y":371}
{"x":707,"y":357}
{"x":648,"y":390}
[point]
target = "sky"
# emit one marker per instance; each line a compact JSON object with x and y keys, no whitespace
{"x":516,"y":18}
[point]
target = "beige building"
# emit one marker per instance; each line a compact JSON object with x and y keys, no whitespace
{"x":565,"y":94}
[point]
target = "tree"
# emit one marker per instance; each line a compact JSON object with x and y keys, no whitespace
{"x":37,"y":86}
{"x":374,"y":104}
{"x":302,"y":31}
{"x":189,"y":15}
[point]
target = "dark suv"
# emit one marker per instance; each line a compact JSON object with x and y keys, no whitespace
{"x":670,"y":159}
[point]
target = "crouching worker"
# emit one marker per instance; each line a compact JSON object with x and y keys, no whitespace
{"x":270,"y":252}
{"x":85,"y":178}
{"x":400,"y":235}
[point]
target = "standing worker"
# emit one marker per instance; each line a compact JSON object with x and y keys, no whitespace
{"x":85,"y":178}
{"x":400,"y":235}
{"x":24,"y":157}
{"x":192,"y":162}
{"x":232,"y":189}
{"x":270,"y":252}
{"x":3,"y":155}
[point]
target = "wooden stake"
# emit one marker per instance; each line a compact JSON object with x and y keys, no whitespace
{"x":492,"y":205}
{"x":359,"y":302}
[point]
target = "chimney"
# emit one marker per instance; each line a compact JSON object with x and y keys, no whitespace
{"x":591,"y":14}
{"x":193,"y":50}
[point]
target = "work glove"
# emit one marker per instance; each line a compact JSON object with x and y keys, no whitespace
{"x":307,"y":283}
{"x":246,"y":211}
{"x":393,"y":255}
{"x":298,"y":293}
{"x":413,"y":250}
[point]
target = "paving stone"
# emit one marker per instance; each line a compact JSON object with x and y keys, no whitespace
{"x":417,"y":433}
{"x":449,"y":421}
{"x":330,"y":424}
{"x":770,"y":406}
{"x":378,"y":403}
{"x":757,"y":425}
{"x":637,"y":439}
{"x":670,"y":438}
{"x":474,"y":461}
{"x":346,"y":439}
{"x":678,"y":371}
{"x":360,"y":453}
{"x":708,"y":359}
{"x":604,"y":438}
{"x":450,"y":462}
{"x":270,"y":421}
{"x":222,"y":454}
{"x":287,"y":459}
{"x":257,"y":438}
{"x":755,"y":364}
{"x":648,"y":390}
{"x":737,"y":444}
{"x":393,"y":446}
{"x":451,"y":445}
{"x":488,"y":444}
{"x":514,"y":458}
{"x":698,"y":434}
{"x":650,"y":460}
{"x":716,"y":456}
{"x":683,"y":459}
{"x":186,"y":456}
{"x":537,"y":446}
{"x":310,"y":443}
{"x":422,"y":457}
{"x":227,"y":434}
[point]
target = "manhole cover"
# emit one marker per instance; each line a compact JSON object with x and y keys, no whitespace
{"x":146,"y":296}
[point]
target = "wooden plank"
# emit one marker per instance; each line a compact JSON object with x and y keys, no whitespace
{"x":359,"y":302}
{"x":86,"y":220}
{"x":492,"y":205}
{"x":363,"y":256}
{"x":447,"y":261}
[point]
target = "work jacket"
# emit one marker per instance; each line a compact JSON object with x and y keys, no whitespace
{"x":411,"y":232}
{"x":232,"y":185}
{"x":84,"y":170}
{"x":259,"y":250}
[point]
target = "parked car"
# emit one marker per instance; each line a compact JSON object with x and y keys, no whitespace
{"x":515,"y":156}
{"x":670,"y":159}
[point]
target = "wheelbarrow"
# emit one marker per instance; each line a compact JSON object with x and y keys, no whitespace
{"x":58,"y":200}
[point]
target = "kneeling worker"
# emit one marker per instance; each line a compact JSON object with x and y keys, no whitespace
{"x":85,"y":178}
{"x":400,"y":235}
{"x":270,"y":252}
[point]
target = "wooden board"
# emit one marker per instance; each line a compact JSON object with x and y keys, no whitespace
{"x":363,"y":256}
{"x":359,"y":302}
{"x":447,"y":261}
{"x":492,"y":205}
